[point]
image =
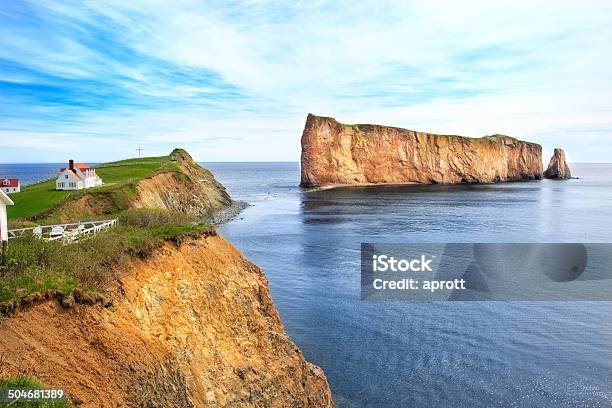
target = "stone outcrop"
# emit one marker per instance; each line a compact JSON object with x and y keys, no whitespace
{"x":189,"y":188}
{"x":337,"y":154}
{"x":557,"y":167}
{"x":191,"y":326}
{"x":180,"y":185}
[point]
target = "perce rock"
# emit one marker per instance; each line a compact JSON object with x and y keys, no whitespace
{"x":337,"y":154}
{"x":558,"y":168}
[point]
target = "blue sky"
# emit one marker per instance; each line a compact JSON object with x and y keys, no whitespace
{"x":233,"y":81}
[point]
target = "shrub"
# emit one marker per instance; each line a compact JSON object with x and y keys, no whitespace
{"x":16,"y":224}
{"x":149,"y":217}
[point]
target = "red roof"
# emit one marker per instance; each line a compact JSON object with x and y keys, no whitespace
{"x":80,"y":166}
{"x":9,"y":182}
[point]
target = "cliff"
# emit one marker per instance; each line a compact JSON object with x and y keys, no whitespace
{"x":175,"y":182}
{"x":557,"y":167}
{"x":192,"y":325}
{"x":336,"y":154}
{"x":187,"y":188}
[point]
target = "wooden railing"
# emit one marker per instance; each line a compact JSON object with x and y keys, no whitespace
{"x":65,"y":232}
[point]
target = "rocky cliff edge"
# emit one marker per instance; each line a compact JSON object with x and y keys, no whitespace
{"x":180,"y":185}
{"x":193,"y":325}
{"x":337,"y":154}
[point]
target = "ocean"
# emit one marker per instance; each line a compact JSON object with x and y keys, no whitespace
{"x":428,"y":354}
{"x":30,"y":173}
{"x":423,"y":354}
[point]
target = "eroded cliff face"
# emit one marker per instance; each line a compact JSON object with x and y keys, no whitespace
{"x":184,"y":187}
{"x":192,"y":190}
{"x":338,"y":154}
{"x":191,"y":326}
{"x":557,"y":167}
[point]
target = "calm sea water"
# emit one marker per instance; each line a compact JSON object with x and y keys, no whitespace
{"x":423,"y":354}
{"x":428,"y":354}
{"x":30,"y":173}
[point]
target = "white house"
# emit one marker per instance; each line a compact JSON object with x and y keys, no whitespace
{"x":77,"y":176}
{"x":4,"y":201}
{"x":10,"y":185}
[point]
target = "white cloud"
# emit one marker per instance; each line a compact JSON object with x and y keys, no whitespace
{"x":538,"y":70}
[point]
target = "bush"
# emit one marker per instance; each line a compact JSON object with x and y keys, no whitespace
{"x":147,"y":217}
{"x":16,"y":224}
{"x":33,"y":265}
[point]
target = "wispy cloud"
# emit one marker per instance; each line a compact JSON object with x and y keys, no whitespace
{"x":234,"y":80}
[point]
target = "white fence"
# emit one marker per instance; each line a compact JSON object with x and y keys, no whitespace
{"x":64,"y":232}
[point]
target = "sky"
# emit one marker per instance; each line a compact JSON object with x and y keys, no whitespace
{"x":234,"y":81}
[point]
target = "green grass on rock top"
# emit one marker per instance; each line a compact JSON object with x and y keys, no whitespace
{"x":34,"y":265}
{"x":36,"y":198}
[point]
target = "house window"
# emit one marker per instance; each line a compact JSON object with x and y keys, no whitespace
{"x":65,"y":176}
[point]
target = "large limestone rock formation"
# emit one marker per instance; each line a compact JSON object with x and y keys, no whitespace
{"x":336,"y":154}
{"x":558,"y":168}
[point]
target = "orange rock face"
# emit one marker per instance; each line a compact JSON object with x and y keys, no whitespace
{"x":338,"y":154}
{"x":191,"y":326}
{"x":557,"y":167}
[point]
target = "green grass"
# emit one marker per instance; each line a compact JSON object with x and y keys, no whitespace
{"x":137,"y":161}
{"x":37,"y":198}
{"x":33,"y":383}
{"x":107,"y":200}
{"x":34,"y":199}
{"x":127,"y":172}
{"x":34,"y":265}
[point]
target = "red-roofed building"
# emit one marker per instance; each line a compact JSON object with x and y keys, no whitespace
{"x":77,"y":176}
{"x":10,"y":185}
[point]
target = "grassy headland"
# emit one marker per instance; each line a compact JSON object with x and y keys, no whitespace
{"x":33,"y":266}
{"x":35,"y":199}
